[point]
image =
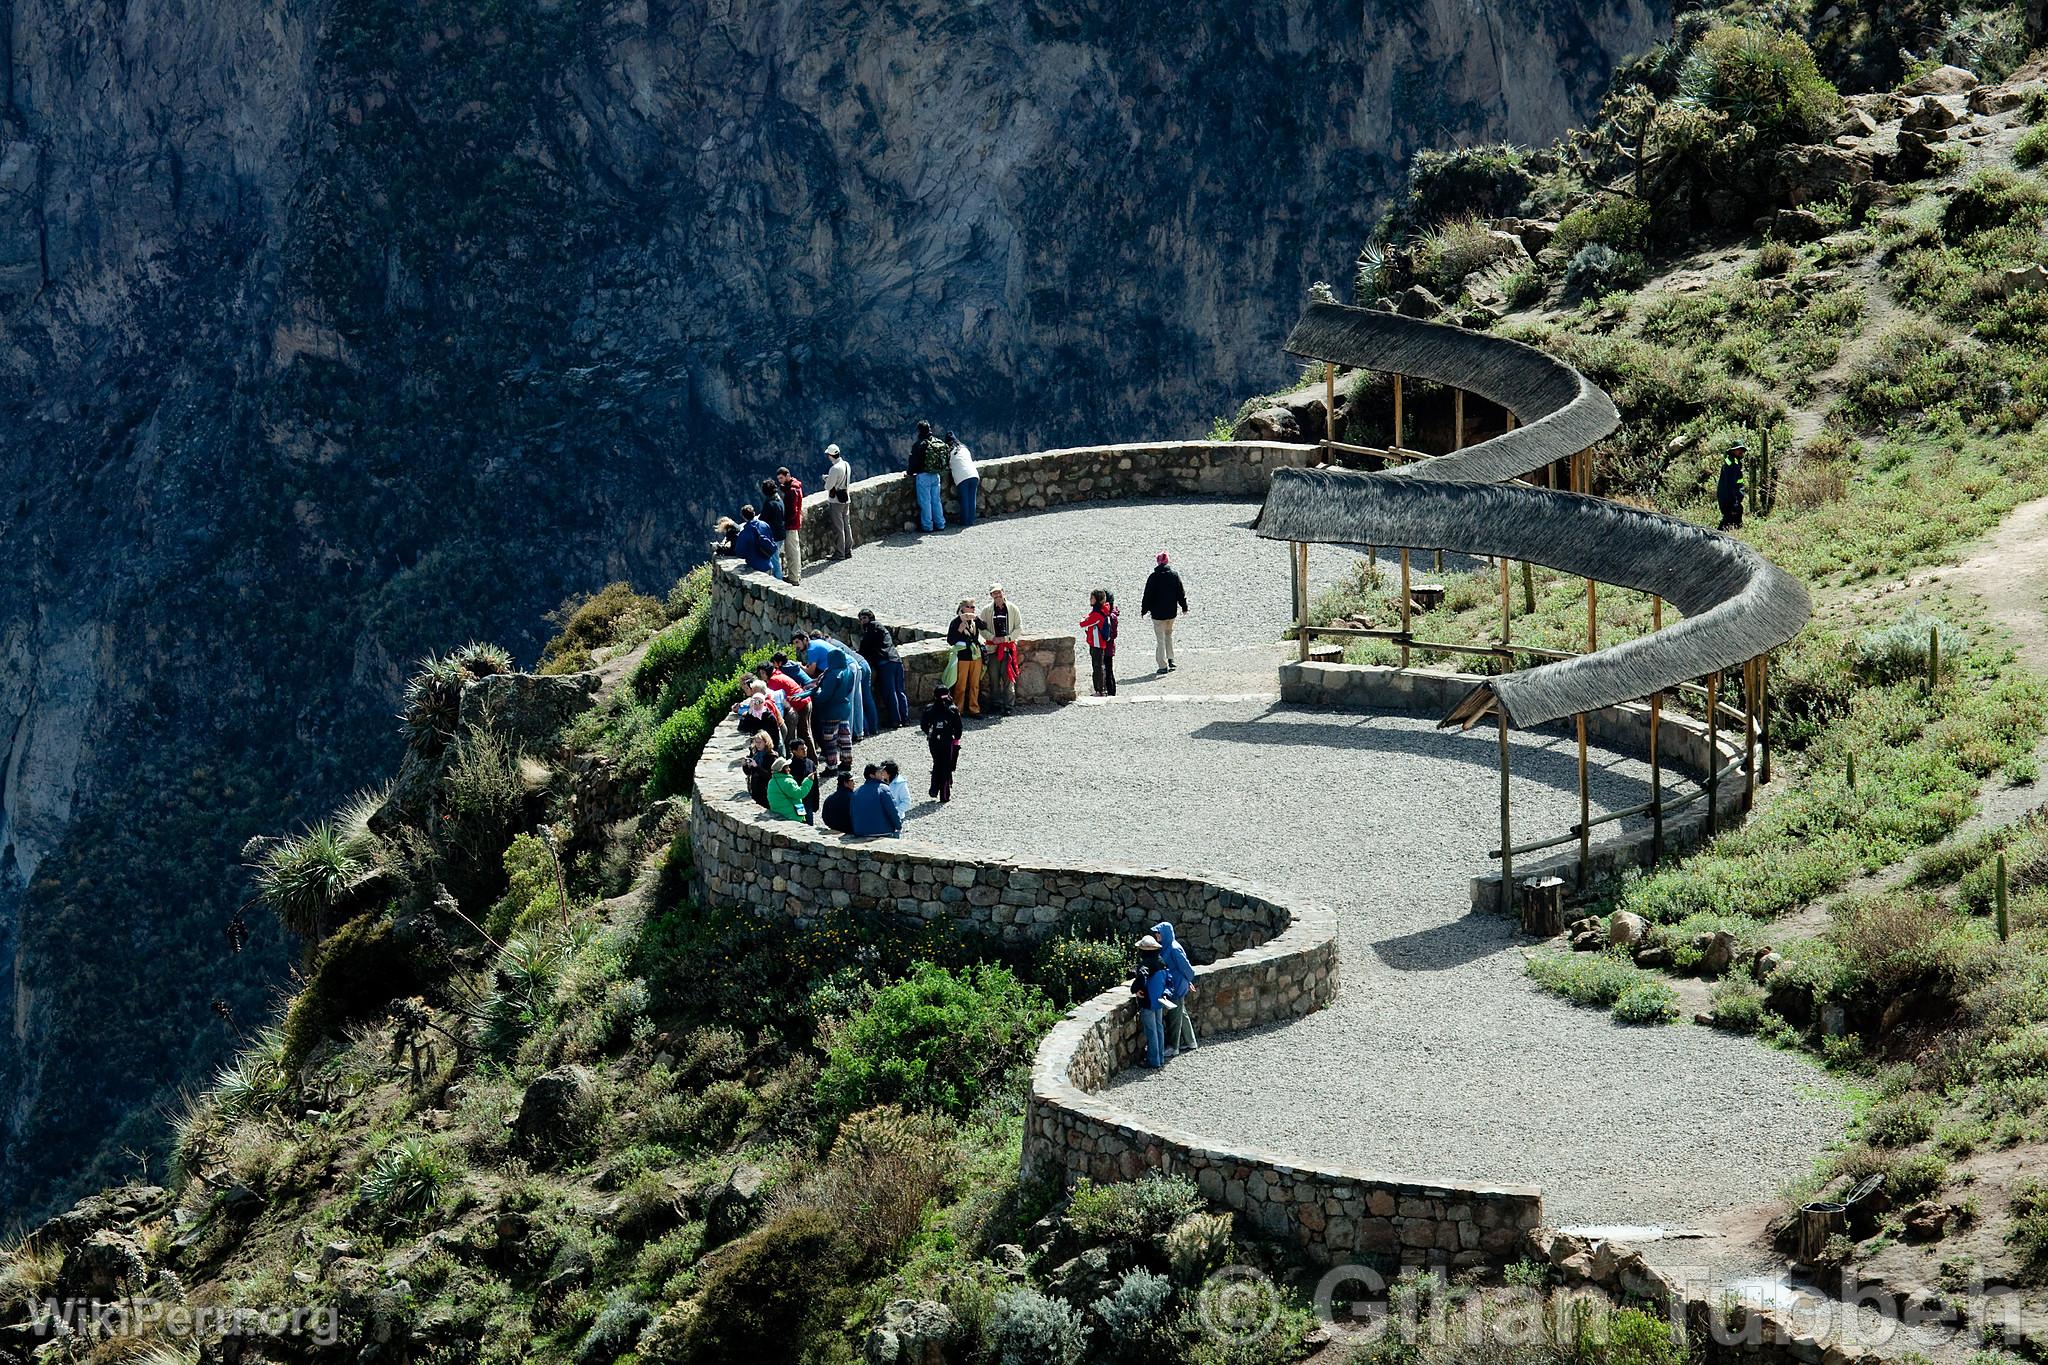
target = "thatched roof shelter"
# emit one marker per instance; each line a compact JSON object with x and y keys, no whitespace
{"x":1737,"y":605}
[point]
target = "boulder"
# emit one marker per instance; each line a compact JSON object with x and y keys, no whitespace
{"x":111,"y":1208}
{"x":1416,"y":301}
{"x":2023,"y":279}
{"x":528,"y":709}
{"x":1926,"y":1222}
{"x":1807,"y":175}
{"x":911,"y":1332}
{"x":1534,"y":233}
{"x":1717,"y":952}
{"x":1882,"y":107}
{"x":1911,"y":160}
{"x":1856,"y":123}
{"x":1625,"y":929}
{"x":1999,"y":99}
{"x":1655,"y":957}
{"x":1009,"y":1258}
{"x":1589,"y":941}
{"x":734,"y":1204}
{"x":558,"y":1111}
{"x":1943,"y":80}
{"x":1765,"y":964}
{"x":1797,"y":225}
{"x":1928,"y":115}
{"x":1267,"y":424}
{"x":106,"y":1265}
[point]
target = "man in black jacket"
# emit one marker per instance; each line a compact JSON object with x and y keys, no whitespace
{"x":1164,"y":600}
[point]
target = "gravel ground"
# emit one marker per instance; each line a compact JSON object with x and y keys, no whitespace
{"x":1439,"y":1059}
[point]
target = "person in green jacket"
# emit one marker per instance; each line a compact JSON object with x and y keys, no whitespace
{"x":786,"y":795}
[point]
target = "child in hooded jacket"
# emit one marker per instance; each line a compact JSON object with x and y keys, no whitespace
{"x":1180,"y":985}
{"x":942,"y":730}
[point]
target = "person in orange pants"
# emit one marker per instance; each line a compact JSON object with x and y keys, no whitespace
{"x":965,"y":637}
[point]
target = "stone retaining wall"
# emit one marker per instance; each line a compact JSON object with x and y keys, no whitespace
{"x":1264,"y":963}
{"x":749,"y":608}
{"x":1681,"y":745}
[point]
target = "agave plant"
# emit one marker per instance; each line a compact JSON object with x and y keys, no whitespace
{"x":433,"y":703}
{"x":255,"y":1082}
{"x":404,"y":1182}
{"x":306,"y":877}
{"x":481,"y":660}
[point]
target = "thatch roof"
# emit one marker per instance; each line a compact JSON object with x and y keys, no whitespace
{"x":1560,"y":411}
{"x":1737,"y":604}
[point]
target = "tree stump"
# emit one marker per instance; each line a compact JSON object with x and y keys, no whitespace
{"x":1819,"y":1224}
{"x":1426,"y":596}
{"x":1543,"y":906}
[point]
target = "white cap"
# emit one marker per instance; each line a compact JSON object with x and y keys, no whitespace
{"x":833,"y":451}
{"x":1148,"y":944}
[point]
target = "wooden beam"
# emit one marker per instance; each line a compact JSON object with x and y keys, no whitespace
{"x":1749,"y":734}
{"x":1457,"y":419}
{"x":1504,"y":628}
{"x":1507,"y":844}
{"x":1592,"y":614}
{"x":1763,"y":714}
{"x":1329,"y":401}
{"x":1656,"y":780}
{"x":1397,"y":412}
{"x":1585,"y":811}
{"x":1713,"y":752}
{"x":1300,"y":553}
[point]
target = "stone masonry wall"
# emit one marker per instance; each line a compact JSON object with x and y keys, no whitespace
{"x":1264,"y":963}
{"x":749,"y":608}
{"x":1681,"y":744}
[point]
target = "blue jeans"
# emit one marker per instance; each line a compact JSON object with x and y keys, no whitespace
{"x":889,"y":683}
{"x":775,"y":562}
{"x":1155,"y":1037}
{"x":970,"y":495}
{"x":868,"y":721}
{"x":931,"y":512}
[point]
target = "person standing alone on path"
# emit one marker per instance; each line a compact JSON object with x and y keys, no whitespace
{"x":929,"y":460}
{"x":942,"y":730}
{"x":1001,"y":624}
{"x":1099,"y":628}
{"x":966,"y":479}
{"x":1729,"y":487}
{"x":838,"y":509}
{"x":792,"y":524}
{"x":1164,"y":600}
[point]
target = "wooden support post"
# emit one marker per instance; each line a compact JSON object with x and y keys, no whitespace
{"x":1507,"y":843}
{"x":1656,"y":780}
{"x":1406,"y":607}
{"x":1713,"y":752}
{"x":1585,"y":811}
{"x":1329,"y":406}
{"x":1656,"y":612}
{"x":1763,"y":717}
{"x":1457,"y":419}
{"x":1749,"y":734}
{"x":1301,"y":595}
{"x":1592,"y":614}
{"x":1505,"y":633}
{"x":1397,"y":414}
{"x":1528,"y":588}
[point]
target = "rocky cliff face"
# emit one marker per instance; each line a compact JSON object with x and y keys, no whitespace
{"x":330,"y":334}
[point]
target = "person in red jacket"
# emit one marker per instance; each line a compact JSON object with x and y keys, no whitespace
{"x":792,"y":524}
{"x":1099,"y":626}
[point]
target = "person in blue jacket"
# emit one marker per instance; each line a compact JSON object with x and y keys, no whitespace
{"x":756,"y":546}
{"x":832,"y":702}
{"x":873,"y":811}
{"x":816,"y":645}
{"x":1148,"y":989}
{"x":1180,"y":985}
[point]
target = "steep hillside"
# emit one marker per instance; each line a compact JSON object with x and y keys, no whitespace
{"x":339,"y":333}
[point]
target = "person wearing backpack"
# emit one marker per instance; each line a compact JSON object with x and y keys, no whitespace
{"x":1099,"y":628}
{"x":929,"y":460}
{"x":1148,"y":992}
{"x":792,"y":524}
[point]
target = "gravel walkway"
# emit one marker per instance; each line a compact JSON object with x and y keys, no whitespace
{"x":1439,"y":1059}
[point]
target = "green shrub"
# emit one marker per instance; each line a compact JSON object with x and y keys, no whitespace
{"x":617,"y":1326}
{"x":1890,"y":946}
{"x":1888,"y":654}
{"x":1900,"y":1122}
{"x":532,"y":890}
{"x":681,"y":739}
{"x":2032,"y":148}
{"x":1525,"y":288}
{"x":433,"y":704}
{"x":2029,"y":1235}
{"x":1738,"y":1006}
{"x":1765,"y":78}
{"x":402,"y":1184}
{"x":685,"y":645}
{"x":1994,"y":197}
{"x":1636,"y":1337}
{"x":1774,"y":258}
{"x":1454,"y":249}
{"x":1486,"y":181}
{"x":1071,"y":969}
{"x":1597,"y":269}
{"x":1027,"y":1328}
{"x":1617,"y":222}
{"x":936,"y":1040}
{"x":255,"y":1082}
{"x":1198,"y":1245}
{"x":1137,"y":1316}
{"x":307,"y":879}
{"x":1132,"y":1211}
{"x":614,"y":614}
{"x":482,"y":799}
{"x":1595,"y":980}
{"x":1646,"y":1002}
{"x":356,"y":976}
{"x":1916,"y":1176}
{"x":765,"y":1295}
